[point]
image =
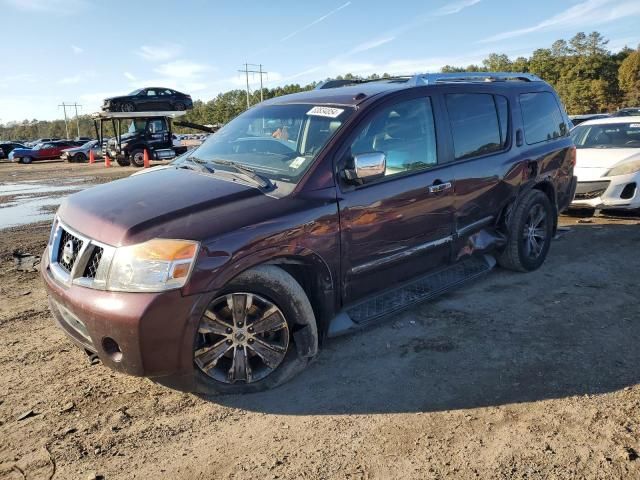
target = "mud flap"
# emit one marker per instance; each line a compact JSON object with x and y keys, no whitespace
{"x":305,"y":341}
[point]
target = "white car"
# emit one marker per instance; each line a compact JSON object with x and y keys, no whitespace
{"x":607,"y":163}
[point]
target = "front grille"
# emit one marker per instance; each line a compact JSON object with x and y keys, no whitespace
{"x":588,"y":190}
{"x":68,"y":250}
{"x":92,"y":265}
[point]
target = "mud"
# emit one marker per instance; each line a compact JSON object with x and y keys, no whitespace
{"x":516,"y":376}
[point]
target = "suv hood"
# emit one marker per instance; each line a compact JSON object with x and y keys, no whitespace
{"x":170,"y":203}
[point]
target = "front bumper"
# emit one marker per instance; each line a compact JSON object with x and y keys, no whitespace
{"x":154,"y":331}
{"x":619,"y":192}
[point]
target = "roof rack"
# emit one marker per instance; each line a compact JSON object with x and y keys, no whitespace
{"x":434,"y":78}
{"x":464,"y":77}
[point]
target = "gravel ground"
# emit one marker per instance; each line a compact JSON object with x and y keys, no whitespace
{"x":530,"y":376}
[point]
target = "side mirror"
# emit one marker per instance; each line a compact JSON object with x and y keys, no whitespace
{"x":367,"y":166}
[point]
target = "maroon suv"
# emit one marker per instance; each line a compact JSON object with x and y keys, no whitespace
{"x":308,"y":216}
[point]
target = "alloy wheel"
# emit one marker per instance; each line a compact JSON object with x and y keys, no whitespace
{"x":535,"y":231}
{"x":242,"y":337}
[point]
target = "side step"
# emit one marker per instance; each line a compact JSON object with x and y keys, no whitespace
{"x":375,"y":308}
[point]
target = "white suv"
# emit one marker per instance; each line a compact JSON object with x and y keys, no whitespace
{"x":608,"y":163}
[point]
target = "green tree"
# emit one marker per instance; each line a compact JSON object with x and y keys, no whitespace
{"x":629,"y":78}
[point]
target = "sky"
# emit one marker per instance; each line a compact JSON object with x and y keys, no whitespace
{"x":82,"y":51}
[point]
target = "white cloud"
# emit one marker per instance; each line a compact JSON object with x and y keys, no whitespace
{"x":183,"y":69}
{"x":363,"y":47}
{"x":71,"y":80}
{"x":60,"y":7}
{"x":455,"y":7}
{"x":581,"y":15}
{"x":77,"y":50}
{"x":315,"y":22}
{"x":159,"y":53}
{"x":130,"y":76}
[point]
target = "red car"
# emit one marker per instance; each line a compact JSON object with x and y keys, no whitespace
{"x":42,"y":151}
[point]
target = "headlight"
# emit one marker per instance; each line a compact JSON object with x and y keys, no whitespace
{"x":624,"y":168}
{"x":152,"y":266}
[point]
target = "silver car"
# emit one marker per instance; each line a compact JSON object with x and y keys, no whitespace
{"x":81,"y":153}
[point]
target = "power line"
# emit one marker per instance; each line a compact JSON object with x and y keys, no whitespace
{"x":246,"y":72}
{"x":66,"y":122}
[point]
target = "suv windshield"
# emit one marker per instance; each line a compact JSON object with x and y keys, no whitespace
{"x":278,"y":141}
{"x":609,"y":135}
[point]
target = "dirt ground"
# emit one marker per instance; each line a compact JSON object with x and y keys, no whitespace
{"x":527,"y":376}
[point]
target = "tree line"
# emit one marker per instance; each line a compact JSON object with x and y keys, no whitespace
{"x":588,"y":77}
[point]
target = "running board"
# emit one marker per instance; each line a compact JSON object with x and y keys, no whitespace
{"x":425,"y":288}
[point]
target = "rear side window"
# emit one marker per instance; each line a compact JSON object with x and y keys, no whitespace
{"x":479,"y":123}
{"x":542,"y":117}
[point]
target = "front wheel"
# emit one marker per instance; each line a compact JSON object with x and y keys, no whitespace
{"x":136,"y":157}
{"x":79,"y":157}
{"x":530,"y":229}
{"x":257,"y":333}
{"x":26,"y":160}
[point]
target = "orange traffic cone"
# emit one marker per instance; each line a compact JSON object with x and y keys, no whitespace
{"x":107,"y":161}
{"x":145,"y":159}
{"x":92,"y":158}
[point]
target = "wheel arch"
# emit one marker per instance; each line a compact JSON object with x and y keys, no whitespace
{"x":545,"y":186}
{"x":308,"y":268}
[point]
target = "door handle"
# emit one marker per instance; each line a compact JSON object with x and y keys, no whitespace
{"x":440,"y":187}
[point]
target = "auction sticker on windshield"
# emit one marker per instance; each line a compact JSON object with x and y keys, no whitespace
{"x":325,"y":112}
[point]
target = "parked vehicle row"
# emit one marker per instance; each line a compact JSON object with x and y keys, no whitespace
{"x":41,"y":151}
{"x":309,"y":216}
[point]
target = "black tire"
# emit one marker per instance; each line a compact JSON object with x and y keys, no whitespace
{"x":123,"y":162}
{"x":26,"y":160}
{"x":136,"y":158}
{"x":79,"y":157}
{"x":127,"y":107}
{"x":179,"y":106}
{"x":284,"y":292}
{"x":519,"y":254}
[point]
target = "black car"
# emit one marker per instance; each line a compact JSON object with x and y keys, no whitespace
{"x":149,"y":100}
{"x":7,"y":147}
{"x":578,"y":119}
{"x":627,"y":112}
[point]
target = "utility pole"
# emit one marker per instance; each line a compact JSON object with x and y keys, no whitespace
{"x":77,"y":118}
{"x":66,"y":125}
{"x":246,"y":72}
{"x":66,"y":122}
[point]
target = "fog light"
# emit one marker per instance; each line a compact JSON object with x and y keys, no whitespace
{"x":112,"y":349}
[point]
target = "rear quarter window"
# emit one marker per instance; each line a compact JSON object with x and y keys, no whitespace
{"x":541,"y":117}
{"x":479,"y":123}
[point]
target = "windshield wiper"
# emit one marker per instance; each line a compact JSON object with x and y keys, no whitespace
{"x":248,"y":172}
{"x":198,"y":163}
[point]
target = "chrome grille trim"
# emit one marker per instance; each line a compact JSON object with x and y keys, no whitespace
{"x":78,"y":271}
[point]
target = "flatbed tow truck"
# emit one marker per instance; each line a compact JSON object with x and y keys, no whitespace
{"x":150,"y":131}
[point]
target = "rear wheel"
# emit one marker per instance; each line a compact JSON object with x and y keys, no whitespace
{"x":256,"y":334}
{"x":530,"y":230}
{"x":136,"y":157}
{"x":127,"y":107}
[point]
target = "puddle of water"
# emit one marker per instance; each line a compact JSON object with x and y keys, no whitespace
{"x":28,"y":212}
{"x":31,"y":188}
{"x":25,"y":207}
